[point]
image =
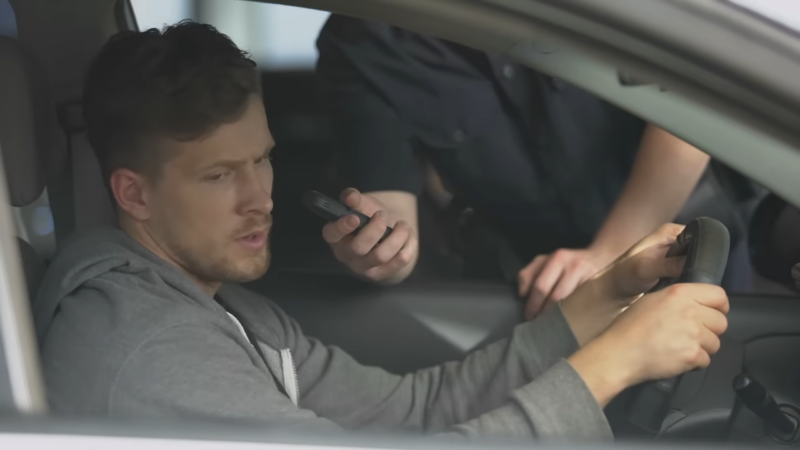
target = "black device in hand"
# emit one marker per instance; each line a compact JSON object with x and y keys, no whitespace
{"x":332,"y":210}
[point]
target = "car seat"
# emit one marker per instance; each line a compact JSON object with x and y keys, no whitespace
{"x":31,"y":140}
{"x":774,"y":241}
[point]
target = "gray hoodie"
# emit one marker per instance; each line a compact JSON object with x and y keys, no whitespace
{"x":123,"y":333}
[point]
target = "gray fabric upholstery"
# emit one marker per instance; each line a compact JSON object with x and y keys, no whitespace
{"x":31,"y":140}
{"x":90,"y":200}
{"x":30,"y":136}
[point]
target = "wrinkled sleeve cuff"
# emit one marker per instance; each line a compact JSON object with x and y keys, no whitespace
{"x":549,"y":338}
{"x":561,"y":406}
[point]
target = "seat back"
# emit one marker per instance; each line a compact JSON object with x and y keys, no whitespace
{"x":774,"y":241}
{"x":80,"y":199}
{"x":31,"y":140}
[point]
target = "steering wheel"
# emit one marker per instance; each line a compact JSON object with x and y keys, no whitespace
{"x":705,"y":242}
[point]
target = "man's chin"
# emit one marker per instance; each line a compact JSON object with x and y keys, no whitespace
{"x":239,"y":270}
{"x":255,"y":269}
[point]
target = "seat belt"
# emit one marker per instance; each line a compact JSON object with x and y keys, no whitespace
{"x":60,"y":188}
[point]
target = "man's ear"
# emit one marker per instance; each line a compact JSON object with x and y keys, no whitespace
{"x":130,"y":190}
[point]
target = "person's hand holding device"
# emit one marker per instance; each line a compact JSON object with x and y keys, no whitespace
{"x":362,"y":234}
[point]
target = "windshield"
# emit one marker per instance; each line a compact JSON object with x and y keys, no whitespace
{"x":784,"y":12}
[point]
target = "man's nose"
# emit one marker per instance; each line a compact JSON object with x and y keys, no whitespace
{"x":259,"y":194}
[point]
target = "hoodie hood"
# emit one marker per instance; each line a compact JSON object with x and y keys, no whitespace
{"x":97,"y":252}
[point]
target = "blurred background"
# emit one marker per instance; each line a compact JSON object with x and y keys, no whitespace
{"x":279,"y":38}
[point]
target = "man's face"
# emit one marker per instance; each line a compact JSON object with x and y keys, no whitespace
{"x":210,"y":208}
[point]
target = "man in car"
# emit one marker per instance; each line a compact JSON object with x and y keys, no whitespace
{"x":550,"y":173}
{"x":146,"y":319}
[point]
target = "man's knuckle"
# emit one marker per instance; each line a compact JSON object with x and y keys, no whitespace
{"x":579,"y":265}
{"x":695,"y":331}
{"x":715,"y":346}
{"x":561,"y":255}
{"x":359,"y":249}
{"x":677,"y":290}
{"x":701,"y":357}
{"x":404,"y":258}
{"x":382,"y":257}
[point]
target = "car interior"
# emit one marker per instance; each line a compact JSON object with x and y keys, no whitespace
{"x":55,"y":185}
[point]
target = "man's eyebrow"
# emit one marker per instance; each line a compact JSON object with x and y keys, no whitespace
{"x":234,"y":163}
{"x":229,"y":164}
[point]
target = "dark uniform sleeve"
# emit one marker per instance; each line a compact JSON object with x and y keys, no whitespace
{"x":362,"y":73}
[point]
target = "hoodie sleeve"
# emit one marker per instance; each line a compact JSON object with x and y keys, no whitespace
{"x":520,"y":386}
{"x":194,"y":371}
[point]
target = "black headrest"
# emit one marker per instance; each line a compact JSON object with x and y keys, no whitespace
{"x":774,"y":241}
{"x":31,"y":140}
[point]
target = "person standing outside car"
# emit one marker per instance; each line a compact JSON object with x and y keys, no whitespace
{"x":561,"y":181}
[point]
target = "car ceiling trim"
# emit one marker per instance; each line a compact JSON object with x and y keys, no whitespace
{"x":694,"y":118}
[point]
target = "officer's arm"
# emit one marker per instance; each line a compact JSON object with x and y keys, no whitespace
{"x":665,"y":173}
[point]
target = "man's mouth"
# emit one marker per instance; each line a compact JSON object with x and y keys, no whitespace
{"x":254,"y":241}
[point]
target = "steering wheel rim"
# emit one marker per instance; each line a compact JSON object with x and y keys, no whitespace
{"x":706,"y":243}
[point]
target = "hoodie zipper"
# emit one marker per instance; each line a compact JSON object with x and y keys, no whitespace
{"x":283,"y":387}
{"x":290,"y":376}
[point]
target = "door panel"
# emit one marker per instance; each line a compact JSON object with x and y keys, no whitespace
{"x":401,"y":328}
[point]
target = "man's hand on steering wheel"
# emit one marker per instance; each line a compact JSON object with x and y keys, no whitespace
{"x":629,"y":337}
{"x":662,"y":335}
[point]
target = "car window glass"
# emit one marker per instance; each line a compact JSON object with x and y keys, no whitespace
{"x":278,"y":37}
{"x":8,"y":20}
{"x":784,"y":12}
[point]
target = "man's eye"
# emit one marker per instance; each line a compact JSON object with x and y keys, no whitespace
{"x":216,"y":176}
{"x":263,"y":159}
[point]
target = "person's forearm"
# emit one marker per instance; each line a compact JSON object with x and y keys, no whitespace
{"x":591,"y":308}
{"x":604,"y":379}
{"x":663,"y":177}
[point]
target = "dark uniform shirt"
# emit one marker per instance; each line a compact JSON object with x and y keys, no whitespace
{"x":544,"y":160}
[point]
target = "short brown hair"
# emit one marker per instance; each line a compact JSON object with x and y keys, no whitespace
{"x":181,"y":82}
